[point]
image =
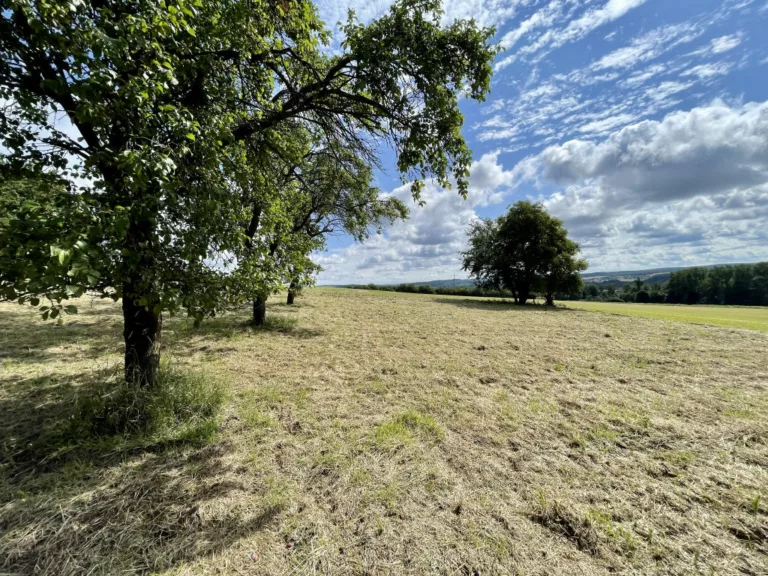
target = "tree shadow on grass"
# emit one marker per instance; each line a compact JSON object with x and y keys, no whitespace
{"x":27,"y":339}
{"x":30,"y":340}
{"x":108,"y":507}
{"x":237,"y":324}
{"x":144,"y":515}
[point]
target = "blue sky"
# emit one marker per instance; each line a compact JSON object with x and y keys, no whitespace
{"x":643,"y":124}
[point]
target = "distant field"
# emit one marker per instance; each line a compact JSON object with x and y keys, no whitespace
{"x":749,"y":318}
{"x":380,"y":433}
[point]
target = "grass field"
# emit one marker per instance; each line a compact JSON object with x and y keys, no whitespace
{"x":745,"y":317}
{"x":384,"y":433}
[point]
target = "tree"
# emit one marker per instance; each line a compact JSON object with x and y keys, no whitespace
{"x":158,"y":96}
{"x":524,"y":250}
{"x":686,"y":286}
{"x":642,"y":297}
{"x":326,"y":189}
{"x":562,"y":275}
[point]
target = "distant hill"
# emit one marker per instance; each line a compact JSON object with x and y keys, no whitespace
{"x":620,"y":277}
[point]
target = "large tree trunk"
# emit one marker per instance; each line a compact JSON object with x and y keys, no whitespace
{"x":141,"y":332}
{"x":523,"y":294}
{"x":141,"y":325}
{"x":259,"y":311}
{"x":291,"y":293}
{"x":550,"y":299}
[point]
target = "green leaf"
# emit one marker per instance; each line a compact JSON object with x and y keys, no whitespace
{"x":64,"y":256}
{"x":71,"y":309}
{"x":35,"y":301}
{"x":191,"y":136}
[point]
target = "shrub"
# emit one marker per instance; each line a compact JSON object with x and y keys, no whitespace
{"x":427,"y":289}
{"x":181,"y":406}
{"x":642,"y":297}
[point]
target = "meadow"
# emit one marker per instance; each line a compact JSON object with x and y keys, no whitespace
{"x":386,"y":433}
{"x":745,"y":317}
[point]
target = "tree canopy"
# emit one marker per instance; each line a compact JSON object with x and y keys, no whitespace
{"x":524,"y":251}
{"x":137,"y":106}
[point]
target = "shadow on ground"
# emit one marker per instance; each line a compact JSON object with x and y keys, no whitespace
{"x":145,"y":514}
{"x":27,"y":339}
{"x":80,"y":506}
{"x":111,"y":505}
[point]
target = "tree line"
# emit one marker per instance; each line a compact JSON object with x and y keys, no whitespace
{"x":207,"y":148}
{"x":728,"y":284}
{"x":441,"y":290}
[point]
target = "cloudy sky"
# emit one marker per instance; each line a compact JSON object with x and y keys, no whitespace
{"x":643,"y":124}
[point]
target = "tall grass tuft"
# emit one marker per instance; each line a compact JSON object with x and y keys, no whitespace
{"x":180,"y":406}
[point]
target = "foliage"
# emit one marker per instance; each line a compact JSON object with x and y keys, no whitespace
{"x":323,"y":189}
{"x":523,"y":251}
{"x":642,"y":297}
{"x":44,"y":247}
{"x":738,"y":284}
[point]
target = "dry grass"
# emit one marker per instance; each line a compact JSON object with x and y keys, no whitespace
{"x":383,"y":433}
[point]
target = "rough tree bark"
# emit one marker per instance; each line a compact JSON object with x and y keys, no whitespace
{"x":141,"y":333}
{"x":141,"y":324}
{"x":259,"y":311}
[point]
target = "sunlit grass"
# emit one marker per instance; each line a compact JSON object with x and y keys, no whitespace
{"x":744,"y":317}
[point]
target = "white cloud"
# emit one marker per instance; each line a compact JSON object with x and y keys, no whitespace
{"x":707,"y":71}
{"x":541,"y":19}
{"x":648,"y":46}
{"x":576,"y":29}
{"x":725,"y":43}
{"x":690,"y":184}
{"x":426,"y":245}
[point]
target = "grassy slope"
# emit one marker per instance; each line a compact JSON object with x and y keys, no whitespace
{"x":746,"y":317}
{"x":384,"y":433}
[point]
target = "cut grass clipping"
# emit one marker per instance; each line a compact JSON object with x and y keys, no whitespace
{"x":401,"y":430}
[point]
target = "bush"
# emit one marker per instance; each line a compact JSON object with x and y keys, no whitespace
{"x":181,"y":406}
{"x":642,"y":297}
{"x":427,"y":289}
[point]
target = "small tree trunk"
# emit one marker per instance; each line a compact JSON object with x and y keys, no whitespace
{"x":259,"y":311}
{"x":550,"y":299}
{"x":141,"y":332}
{"x":291,"y":293}
{"x":523,"y":293}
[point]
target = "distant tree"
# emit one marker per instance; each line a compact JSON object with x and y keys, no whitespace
{"x":522,"y":251}
{"x":642,"y":297}
{"x":686,"y":286}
